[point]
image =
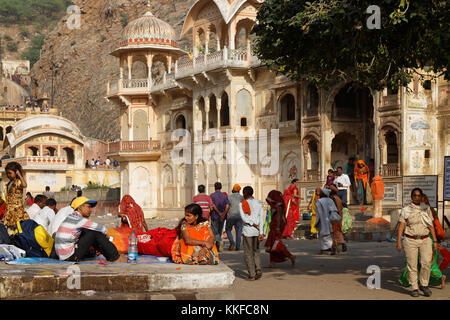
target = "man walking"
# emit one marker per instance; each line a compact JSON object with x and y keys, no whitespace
{"x":234,"y":218}
{"x":342,"y":182}
{"x":48,"y":194}
{"x":253,"y":217}
{"x":204,"y":201}
{"x":218,"y":215}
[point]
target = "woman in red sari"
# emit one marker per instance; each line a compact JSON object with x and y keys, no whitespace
{"x":274,"y":245}
{"x":132,"y":215}
{"x":291,"y":199}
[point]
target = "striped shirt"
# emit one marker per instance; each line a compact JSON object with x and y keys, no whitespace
{"x":69,"y":232}
{"x":205,"y":202}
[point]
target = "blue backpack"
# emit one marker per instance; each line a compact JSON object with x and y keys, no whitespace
{"x":33,"y":238}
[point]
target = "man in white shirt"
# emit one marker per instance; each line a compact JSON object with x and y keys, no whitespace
{"x":45,"y":216}
{"x":39,"y":203}
{"x":252,"y":214}
{"x":342,"y":182}
{"x":62,"y":214}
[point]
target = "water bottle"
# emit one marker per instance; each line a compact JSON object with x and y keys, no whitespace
{"x":132,"y":249}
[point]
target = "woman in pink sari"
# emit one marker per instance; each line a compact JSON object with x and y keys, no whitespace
{"x":291,"y":198}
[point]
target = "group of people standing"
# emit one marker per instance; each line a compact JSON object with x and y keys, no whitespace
{"x":251,"y":221}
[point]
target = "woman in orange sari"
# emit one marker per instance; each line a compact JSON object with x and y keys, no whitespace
{"x":362,"y":175}
{"x":195,"y":241}
{"x":291,"y":198}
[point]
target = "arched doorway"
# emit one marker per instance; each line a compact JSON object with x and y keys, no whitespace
{"x":353,"y":108}
{"x":69,"y":155}
{"x":287,"y":108}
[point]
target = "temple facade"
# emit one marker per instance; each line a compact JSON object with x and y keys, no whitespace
{"x":219,"y":114}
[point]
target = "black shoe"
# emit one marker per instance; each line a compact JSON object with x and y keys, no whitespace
{"x":426,"y":291}
{"x":344,"y":247}
{"x":415,"y":293}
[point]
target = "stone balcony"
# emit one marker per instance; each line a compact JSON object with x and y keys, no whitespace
{"x":391,"y":101}
{"x":311,"y":175}
{"x":138,"y":150}
{"x":40,"y":163}
{"x":390,"y":170}
{"x":26,"y":112}
{"x":200,"y":64}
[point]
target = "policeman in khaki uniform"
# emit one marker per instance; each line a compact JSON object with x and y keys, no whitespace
{"x":417,"y":222}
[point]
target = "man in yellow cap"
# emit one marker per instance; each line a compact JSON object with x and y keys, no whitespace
{"x":234,"y":218}
{"x":78,"y":233}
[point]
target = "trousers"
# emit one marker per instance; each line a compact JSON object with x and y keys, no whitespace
{"x":90,"y":238}
{"x":236,"y":221}
{"x":412,"y":248}
{"x":252,"y":255}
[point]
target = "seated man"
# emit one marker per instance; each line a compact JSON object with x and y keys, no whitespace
{"x":45,"y":216}
{"x":77,"y":234}
{"x":39,"y":204}
{"x":59,"y":218}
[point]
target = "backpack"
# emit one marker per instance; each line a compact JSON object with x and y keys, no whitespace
{"x":4,"y":237}
{"x":33,"y":238}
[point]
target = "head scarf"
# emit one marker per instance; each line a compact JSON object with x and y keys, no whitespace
{"x":236,"y":188}
{"x":275,"y":198}
{"x":363,"y":177}
{"x":326,"y":191}
{"x":134,"y":213}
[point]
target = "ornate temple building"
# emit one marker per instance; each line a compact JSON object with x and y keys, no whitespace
{"x":223,"y":88}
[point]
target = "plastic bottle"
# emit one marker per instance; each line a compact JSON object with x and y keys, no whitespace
{"x":132,"y":249}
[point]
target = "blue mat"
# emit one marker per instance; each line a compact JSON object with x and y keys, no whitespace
{"x":142,"y":259}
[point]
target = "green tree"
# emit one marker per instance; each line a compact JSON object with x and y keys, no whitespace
{"x":12,"y":46}
{"x":33,"y":52}
{"x":326,"y":41}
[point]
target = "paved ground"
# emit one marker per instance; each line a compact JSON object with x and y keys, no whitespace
{"x":326,"y":277}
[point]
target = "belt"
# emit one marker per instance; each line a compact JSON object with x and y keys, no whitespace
{"x":416,"y":237}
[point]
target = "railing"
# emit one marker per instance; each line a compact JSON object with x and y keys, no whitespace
{"x":391,"y":170}
{"x":147,"y":145}
{"x":312,"y":175}
{"x":224,"y":58}
{"x":39,"y":161}
{"x":392,"y":100}
{"x":135,"y":83}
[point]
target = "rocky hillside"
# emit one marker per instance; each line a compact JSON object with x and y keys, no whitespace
{"x":83,"y":63}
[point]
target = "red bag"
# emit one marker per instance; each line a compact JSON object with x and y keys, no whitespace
{"x":440,"y":233}
{"x":157,"y":242}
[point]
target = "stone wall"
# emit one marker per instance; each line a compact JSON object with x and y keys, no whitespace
{"x":108,"y":199}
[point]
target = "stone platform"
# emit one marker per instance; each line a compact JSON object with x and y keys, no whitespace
{"x":117,"y":281}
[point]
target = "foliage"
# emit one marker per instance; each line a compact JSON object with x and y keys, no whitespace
{"x":28,"y":11}
{"x":95,"y":186}
{"x":326,"y":41}
{"x":33,"y":52}
{"x":124,"y":19}
{"x":12,"y":46}
{"x":24,"y":33}
{"x":7,"y":37}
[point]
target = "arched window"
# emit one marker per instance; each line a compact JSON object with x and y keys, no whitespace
{"x":392,"y":148}
{"x":1,"y":133}
{"x":69,"y":155}
{"x":139,"y":68}
{"x":8,"y":129}
{"x":180,"y":122}
{"x":50,"y":151}
{"x":224,"y":111}
{"x":201,"y":106}
{"x":212,"y":112}
{"x":287,"y":104}
{"x":32,"y":151}
{"x":243,"y":107}
{"x":243,"y":121}
{"x":312,"y":104}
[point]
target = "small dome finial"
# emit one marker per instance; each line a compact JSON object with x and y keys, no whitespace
{"x":149,"y":7}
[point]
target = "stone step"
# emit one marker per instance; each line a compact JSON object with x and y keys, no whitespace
{"x":21,"y":281}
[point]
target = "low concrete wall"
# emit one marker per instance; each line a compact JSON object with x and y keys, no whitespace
{"x":94,"y":194}
{"x":108,"y":200}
